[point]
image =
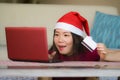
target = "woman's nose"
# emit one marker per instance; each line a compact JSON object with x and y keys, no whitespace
{"x":61,"y":39}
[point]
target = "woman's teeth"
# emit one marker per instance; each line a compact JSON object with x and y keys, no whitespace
{"x":61,"y":47}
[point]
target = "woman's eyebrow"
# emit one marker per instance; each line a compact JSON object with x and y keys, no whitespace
{"x":66,"y":32}
{"x":62,"y":32}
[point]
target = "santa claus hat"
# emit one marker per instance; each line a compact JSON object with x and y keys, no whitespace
{"x":74,"y":23}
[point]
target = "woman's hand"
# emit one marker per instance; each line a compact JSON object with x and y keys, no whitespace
{"x":107,"y":54}
{"x":52,"y":55}
{"x":102,"y":50}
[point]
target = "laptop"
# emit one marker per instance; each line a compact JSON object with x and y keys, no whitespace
{"x":27,"y":44}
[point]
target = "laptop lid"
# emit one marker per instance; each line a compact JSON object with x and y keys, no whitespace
{"x":27,"y":43}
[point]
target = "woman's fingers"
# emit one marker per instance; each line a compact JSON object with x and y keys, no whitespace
{"x":101,"y":48}
{"x":52,"y":55}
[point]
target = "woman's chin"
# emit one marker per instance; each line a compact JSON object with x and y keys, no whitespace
{"x":64,"y":53}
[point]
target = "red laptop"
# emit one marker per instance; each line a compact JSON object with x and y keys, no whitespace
{"x":27,"y":43}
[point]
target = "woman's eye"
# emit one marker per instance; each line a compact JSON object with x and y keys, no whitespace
{"x":56,"y":35}
{"x":66,"y":35}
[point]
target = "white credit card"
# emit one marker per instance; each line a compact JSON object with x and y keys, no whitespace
{"x":89,"y":43}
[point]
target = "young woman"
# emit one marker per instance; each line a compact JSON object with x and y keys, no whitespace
{"x":67,"y":38}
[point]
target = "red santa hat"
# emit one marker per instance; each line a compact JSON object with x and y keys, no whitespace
{"x":74,"y":23}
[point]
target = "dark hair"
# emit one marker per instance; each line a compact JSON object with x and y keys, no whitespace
{"x":77,"y":46}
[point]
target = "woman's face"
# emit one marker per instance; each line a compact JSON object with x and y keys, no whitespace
{"x":63,"y":41}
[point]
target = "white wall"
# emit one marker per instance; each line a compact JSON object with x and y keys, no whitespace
{"x":114,"y":3}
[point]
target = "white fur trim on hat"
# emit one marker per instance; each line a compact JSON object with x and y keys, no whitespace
{"x":70,"y":28}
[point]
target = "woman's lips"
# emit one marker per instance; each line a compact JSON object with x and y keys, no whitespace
{"x":61,"y":47}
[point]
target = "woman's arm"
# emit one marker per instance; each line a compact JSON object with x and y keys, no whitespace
{"x":108,"y":54}
{"x":113,"y":55}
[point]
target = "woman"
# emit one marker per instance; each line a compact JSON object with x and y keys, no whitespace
{"x":67,"y":38}
{"x":68,"y":35}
